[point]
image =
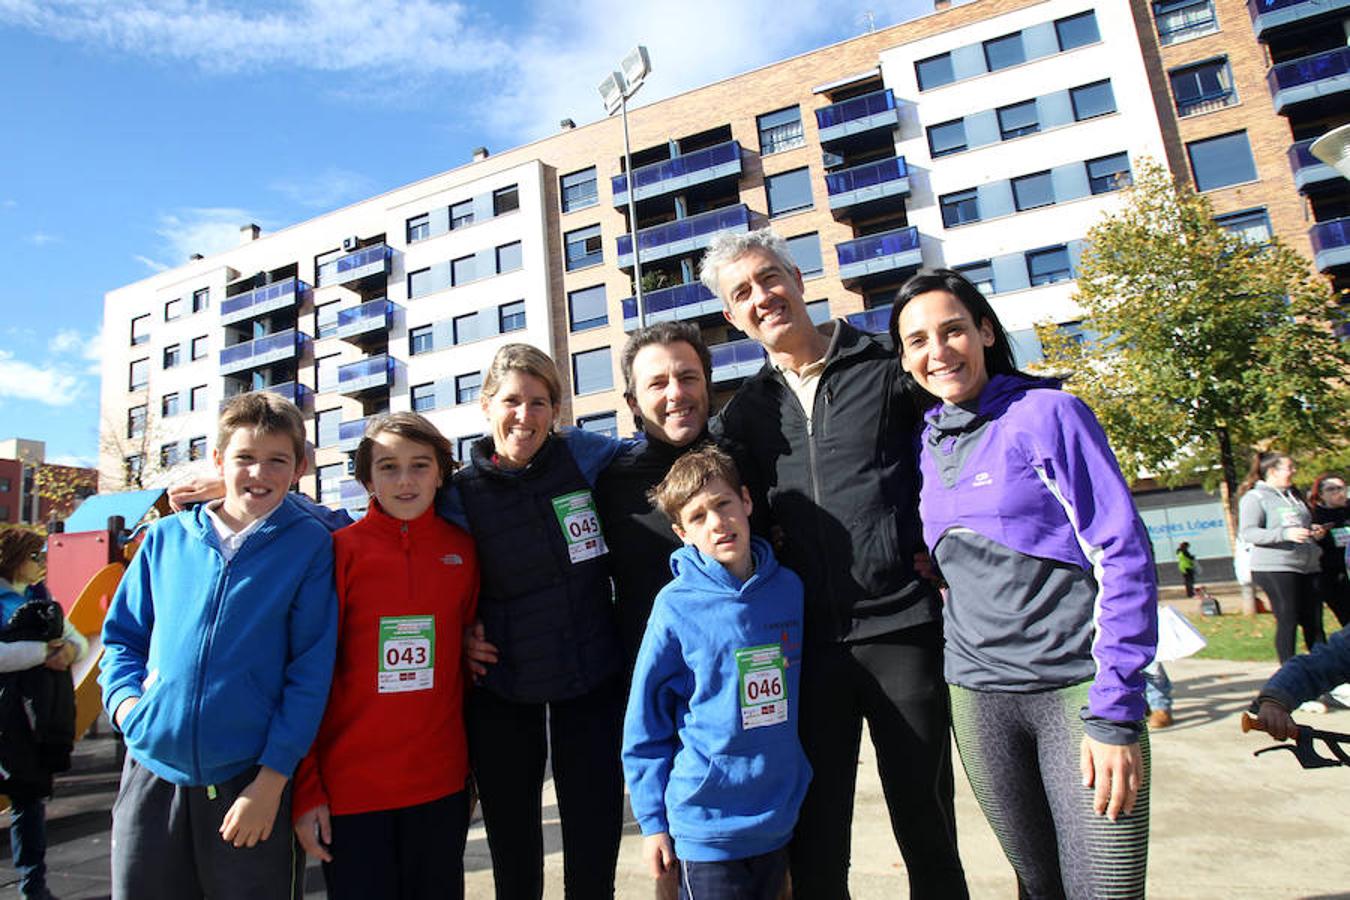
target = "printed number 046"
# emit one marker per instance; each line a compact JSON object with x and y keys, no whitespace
{"x":766,"y":686}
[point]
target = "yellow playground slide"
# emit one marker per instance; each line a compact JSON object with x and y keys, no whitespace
{"x":86,"y":615}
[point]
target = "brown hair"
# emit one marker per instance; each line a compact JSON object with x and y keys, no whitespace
{"x":1315,"y":495}
{"x":1262,"y":463}
{"x":691,"y":473}
{"x":412,"y":426}
{"x":665,"y":334}
{"x":266,"y":412}
{"x":17,"y":545}
{"x":527,"y":359}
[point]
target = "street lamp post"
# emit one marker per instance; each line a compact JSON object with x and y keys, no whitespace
{"x":615,"y":90}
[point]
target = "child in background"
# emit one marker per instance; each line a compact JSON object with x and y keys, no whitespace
{"x":218,"y":652}
{"x":381,"y":797}
{"x":710,"y":751}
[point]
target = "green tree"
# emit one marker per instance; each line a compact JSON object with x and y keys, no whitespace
{"x":1208,"y":345}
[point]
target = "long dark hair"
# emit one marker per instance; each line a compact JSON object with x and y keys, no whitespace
{"x":1262,"y":463}
{"x":998,"y":358}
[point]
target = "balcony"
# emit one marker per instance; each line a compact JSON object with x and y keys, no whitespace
{"x":1308,"y":169}
{"x":262,"y":300}
{"x":887,"y":253}
{"x":1270,"y":14}
{"x":263,"y":351}
{"x":350,"y":433}
{"x":357,"y":379}
{"x":1331,"y":244}
{"x":680,"y":173}
{"x":735,"y":360}
{"x":858,"y":116}
{"x":862,"y":187}
{"x":684,"y":301}
{"x":363,"y":263}
{"x":293,"y":391}
{"x":352,"y":496}
{"x":366,"y":324}
{"x":875,"y":321}
{"x":683,"y":235}
{"x":1310,"y":78}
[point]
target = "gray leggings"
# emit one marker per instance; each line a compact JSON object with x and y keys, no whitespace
{"x":1021,"y":754}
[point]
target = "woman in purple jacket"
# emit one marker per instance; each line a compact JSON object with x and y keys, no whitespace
{"x":1052,"y":606}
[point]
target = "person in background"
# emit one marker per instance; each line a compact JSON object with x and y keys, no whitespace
{"x":1327,"y":500}
{"x":1186,"y":566}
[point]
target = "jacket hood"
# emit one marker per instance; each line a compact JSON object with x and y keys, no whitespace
{"x":996,"y":397}
{"x":705,"y":576}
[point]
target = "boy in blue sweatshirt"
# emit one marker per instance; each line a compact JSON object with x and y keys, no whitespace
{"x":218,"y":652}
{"x":710,"y":751}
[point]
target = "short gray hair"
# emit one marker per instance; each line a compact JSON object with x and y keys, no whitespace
{"x":729,"y":246}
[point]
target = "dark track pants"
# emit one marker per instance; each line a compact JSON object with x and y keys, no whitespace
{"x":411,"y":853}
{"x":896,"y":684}
{"x":1293,"y":597}
{"x":509,"y":744}
{"x":753,"y":878}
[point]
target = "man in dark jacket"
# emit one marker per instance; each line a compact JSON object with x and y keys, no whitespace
{"x":825,"y":435}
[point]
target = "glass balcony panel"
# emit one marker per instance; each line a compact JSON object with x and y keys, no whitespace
{"x":259,"y":352}
{"x":372,"y":316}
{"x":855,"y":108}
{"x":656,"y":242}
{"x":680,"y":302}
{"x":1331,"y":244}
{"x":1313,"y":76}
{"x":888,"y":243}
{"x":358,"y":264}
{"x":876,"y":321}
{"x":680,"y":171}
{"x":736,"y":359}
{"x":1269,"y":14}
{"x":867,"y":175}
{"x":350,"y":434}
{"x":261,"y":300}
{"x":1308,"y":169}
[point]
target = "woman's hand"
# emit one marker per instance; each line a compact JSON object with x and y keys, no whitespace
{"x":1298,"y":535}
{"x":314,"y":831}
{"x":1116,"y":771}
{"x":479,"y":653}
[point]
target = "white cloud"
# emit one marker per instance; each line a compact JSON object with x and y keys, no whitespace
{"x":327,"y":189}
{"x":153,"y":265}
{"x":69,"y":459}
{"x":205,"y":230}
{"x":42,"y":239}
{"x":48,"y":385}
{"x":71,"y":344}
{"x":65,"y":341}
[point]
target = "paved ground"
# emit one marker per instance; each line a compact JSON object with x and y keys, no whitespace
{"x":1225,"y":824}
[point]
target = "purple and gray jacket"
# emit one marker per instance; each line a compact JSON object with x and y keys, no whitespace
{"x":1047,"y":562}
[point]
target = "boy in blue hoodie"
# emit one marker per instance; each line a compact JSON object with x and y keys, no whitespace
{"x":218,"y":652}
{"x":710,"y":751}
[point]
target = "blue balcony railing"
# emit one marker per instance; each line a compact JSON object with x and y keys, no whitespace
{"x":352,"y":496}
{"x":876,"y":321}
{"x":359,"y":264}
{"x":857,"y":115}
{"x":261,"y":300}
{"x":263,"y":351}
{"x":1331,"y":244}
{"x":686,"y":170}
{"x":293,"y":391}
{"x":868,"y":182}
{"x":1308,"y":169}
{"x":684,"y":301}
{"x":683,"y":235}
{"x":1269,"y":14}
{"x":374,"y":316}
{"x":368,"y":374}
{"x":1319,"y":75}
{"x":349,"y":434}
{"x":885,"y":252}
{"x":735,"y":359}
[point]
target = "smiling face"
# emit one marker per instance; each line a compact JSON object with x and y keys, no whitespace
{"x":942,"y":347}
{"x":716,"y":520}
{"x":764,"y":298}
{"x":670,"y":392}
{"x":1333,"y":493}
{"x":520,"y":414}
{"x":1281,"y":475}
{"x":258,"y":467}
{"x":404,"y":475}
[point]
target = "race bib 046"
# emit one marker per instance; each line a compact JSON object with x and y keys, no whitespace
{"x":580,"y":525}
{"x":762,"y":672}
{"x":407,"y":653}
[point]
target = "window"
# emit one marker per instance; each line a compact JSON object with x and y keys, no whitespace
{"x":1018,"y":119}
{"x":505,"y":200}
{"x":818,"y":311}
{"x":419,"y":284}
{"x":511,"y":316}
{"x":1252,"y":225}
{"x":1001,"y":52}
{"x":1092,"y":100}
{"x":4,"y":485}
{"x":136,"y":421}
{"x":461,"y":214}
{"x":197,"y":398}
{"x":326,"y":318}
{"x":578,"y":190}
{"x":199,"y":347}
{"x":1049,"y":265}
{"x":780,"y":130}
{"x":1031,"y":191}
{"x":591,"y":371}
{"x":1077,"y":31}
{"x":139,"y":374}
{"x":947,"y":137}
{"x":468,"y":387}
{"x":419,"y":228}
{"x":197,"y":449}
{"x":960,"y":208}
{"x":465,"y":328}
{"x":600,"y":423}
{"x":168,"y":405}
{"x":420,"y":340}
{"x":464,"y":446}
{"x":980,"y":274}
{"x":1181,"y":19}
{"x":169,"y":455}
{"x":805,"y":252}
{"x":172,"y":355}
{"x":327,"y":423}
{"x":935,"y":71}
{"x":509,"y":257}
{"x":1109,"y":173}
{"x":1202,"y":87}
{"x":330,"y":482}
{"x":140,"y":330}
{"x":583,"y":248}
{"x":462,"y":270}
{"x":423,"y":397}
{"x":132,"y":467}
{"x":586,"y":308}
{"x":1220,"y":161}
{"x":788,"y":192}
{"x":173,"y":310}
{"x":201,"y":299}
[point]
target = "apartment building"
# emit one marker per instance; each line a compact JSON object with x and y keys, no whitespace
{"x":33,"y":490}
{"x":988,"y":136}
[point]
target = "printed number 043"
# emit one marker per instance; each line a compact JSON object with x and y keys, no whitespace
{"x":403,"y":655}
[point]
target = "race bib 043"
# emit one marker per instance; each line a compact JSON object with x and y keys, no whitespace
{"x":580,"y":525}
{"x":762,"y":672}
{"x":407,"y":653}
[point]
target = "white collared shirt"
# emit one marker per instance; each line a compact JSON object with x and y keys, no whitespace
{"x":231,"y":540}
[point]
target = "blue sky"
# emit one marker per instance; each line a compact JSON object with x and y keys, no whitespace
{"x":136,"y":133}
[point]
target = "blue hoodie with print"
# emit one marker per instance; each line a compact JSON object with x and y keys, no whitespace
{"x":710,"y":748}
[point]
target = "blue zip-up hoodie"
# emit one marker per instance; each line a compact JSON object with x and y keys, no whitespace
{"x":694,"y":770}
{"x":232,"y":662}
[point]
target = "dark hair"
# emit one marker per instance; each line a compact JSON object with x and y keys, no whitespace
{"x":691,"y":474}
{"x":412,"y":426}
{"x":998,"y":359}
{"x":1315,"y":495}
{"x":17,"y":546}
{"x":1262,"y":463}
{"x":665,"y":334}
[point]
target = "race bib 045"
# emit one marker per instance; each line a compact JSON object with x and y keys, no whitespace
{"x":407,"y":653}
{"x":580,"y":525}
